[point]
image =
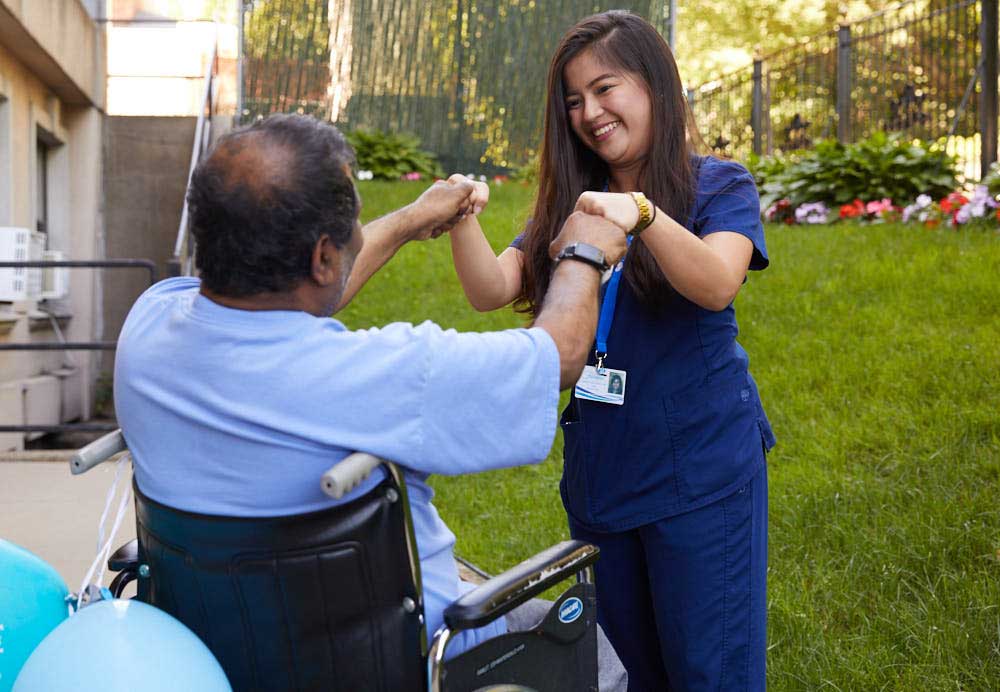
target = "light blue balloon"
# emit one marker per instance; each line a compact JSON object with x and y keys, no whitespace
{"x":121,"y":646}
{"x":32,"y":603}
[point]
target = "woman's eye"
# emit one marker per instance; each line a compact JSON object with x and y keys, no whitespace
{"x":572,"y":104}
{"x":604,"y":87}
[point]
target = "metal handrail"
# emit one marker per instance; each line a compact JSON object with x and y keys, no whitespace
{"x":180,"y":263}
{"x":148,"y":265}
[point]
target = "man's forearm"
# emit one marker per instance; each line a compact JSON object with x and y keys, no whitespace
{"x":569,"y":315}
{"x":383,"y":238}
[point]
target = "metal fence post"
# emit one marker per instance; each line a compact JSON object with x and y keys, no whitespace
{"x":241,"y":10}
{"x":757,"y":109}
{"x":988,"y":112}
{"x":844,"y":82}
{"x":459,"y":153}
{"x":672,"y":26}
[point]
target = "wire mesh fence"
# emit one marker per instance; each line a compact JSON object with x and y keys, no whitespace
{"x":466,"y":76}
{"x":914,"y":68}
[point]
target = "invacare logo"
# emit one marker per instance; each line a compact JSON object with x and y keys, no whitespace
{"x":570,"y":610}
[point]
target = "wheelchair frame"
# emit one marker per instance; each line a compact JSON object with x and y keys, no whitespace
{"x":485,"y":603}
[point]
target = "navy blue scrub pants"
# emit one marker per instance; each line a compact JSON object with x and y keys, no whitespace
{"x":683,"y":600}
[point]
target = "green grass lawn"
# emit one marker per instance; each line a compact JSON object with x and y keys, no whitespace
{"x":877,"y":352}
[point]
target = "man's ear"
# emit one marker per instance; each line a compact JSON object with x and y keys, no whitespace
{"x":325,"y":261}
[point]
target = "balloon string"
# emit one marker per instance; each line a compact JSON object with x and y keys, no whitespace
{"x":104,"y":546}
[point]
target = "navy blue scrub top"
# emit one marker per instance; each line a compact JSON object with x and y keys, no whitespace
{"x":692,"y":429}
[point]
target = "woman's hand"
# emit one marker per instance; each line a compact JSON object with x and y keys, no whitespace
{"x":479,"y":197}
{"x":617,"y":207}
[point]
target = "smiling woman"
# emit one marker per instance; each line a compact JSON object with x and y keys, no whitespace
{"x":665,"y":436}
{"x":609,"y":111}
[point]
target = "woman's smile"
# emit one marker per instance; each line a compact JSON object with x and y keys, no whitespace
{"x":604,"y":131}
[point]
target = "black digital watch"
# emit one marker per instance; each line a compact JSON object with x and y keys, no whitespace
{"x":584,"y":252}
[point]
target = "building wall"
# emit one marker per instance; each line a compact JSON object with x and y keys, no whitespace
{"x":145,"y":158}
{"x":51,"y":91}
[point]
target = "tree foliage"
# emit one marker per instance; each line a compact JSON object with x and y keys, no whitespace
{"x":716,"y":36}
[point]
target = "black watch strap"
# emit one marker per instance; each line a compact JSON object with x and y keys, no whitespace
{"x":584,"y":252}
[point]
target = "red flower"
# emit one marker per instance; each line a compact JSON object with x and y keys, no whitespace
{"x":855,"y":209}
{"x":953,"y":202}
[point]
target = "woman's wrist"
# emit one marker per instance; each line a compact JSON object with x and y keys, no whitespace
{"x":647,"y":213}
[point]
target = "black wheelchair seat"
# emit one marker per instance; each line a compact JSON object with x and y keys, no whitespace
{"x":262,"y":593}
{"x":332,"y":600}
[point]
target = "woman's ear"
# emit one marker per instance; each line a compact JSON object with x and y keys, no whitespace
{"x":325,"y":262}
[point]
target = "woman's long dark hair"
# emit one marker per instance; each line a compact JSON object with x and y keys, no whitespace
{"x":568,"y":167}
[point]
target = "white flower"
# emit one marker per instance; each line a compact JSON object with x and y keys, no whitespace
{"x":365,"y":175}
{"x":924,"y":201}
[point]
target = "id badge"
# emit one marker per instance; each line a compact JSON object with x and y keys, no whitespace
{"x":604,"y":385}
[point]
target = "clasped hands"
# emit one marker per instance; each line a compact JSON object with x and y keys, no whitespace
{"x":600,"y":218}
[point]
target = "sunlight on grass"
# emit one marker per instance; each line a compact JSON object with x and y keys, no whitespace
{"x":877,"y":352}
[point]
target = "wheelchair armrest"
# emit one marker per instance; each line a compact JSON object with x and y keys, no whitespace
{"x":96,"y":452}
{"x":126,"y":557}
{"x":506,"y":591}
{"x":125,"y":561}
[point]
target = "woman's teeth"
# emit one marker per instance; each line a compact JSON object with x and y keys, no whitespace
{"x":601,"y":131}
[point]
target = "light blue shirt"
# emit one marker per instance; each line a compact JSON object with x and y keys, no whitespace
{"x":238,"y":413}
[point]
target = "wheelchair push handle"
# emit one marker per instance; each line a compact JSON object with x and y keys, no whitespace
{"x":346,"y":475}
{"x":98,"y":451}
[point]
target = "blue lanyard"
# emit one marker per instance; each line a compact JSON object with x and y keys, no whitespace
{"x":608,"y":311}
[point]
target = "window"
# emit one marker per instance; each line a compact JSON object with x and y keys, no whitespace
{"x":42,"y":186}
{"x":6,"y":176}
{"x":50,"y":187}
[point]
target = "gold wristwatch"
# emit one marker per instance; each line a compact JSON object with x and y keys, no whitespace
{"x":647,"y":212}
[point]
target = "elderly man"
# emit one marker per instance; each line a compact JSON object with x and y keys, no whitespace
{"x":245,"y":367}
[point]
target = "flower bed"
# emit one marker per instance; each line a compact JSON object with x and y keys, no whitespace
{"x":980,"y":208}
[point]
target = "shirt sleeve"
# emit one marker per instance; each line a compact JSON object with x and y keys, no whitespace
{"x":728,"y":200}
{"x":518,"y":242}
{"x":490,"y":400}
{"x":448,"y":403}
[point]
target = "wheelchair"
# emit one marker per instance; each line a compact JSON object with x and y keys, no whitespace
{"x":331,"y":599}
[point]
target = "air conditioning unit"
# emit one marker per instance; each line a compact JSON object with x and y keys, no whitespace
{"x":55,"y":280}
{"x":19,"y":245}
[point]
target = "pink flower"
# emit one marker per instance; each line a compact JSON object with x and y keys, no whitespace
{"x":877,"y":207}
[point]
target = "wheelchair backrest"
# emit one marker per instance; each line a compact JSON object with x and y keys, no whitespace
{"x":325,"y":600}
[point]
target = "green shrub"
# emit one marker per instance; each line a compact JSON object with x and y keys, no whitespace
{"x":528,"y":173}
{"x":765,"y":168}
{"x":389,"y":156}
{"x":875,"y":168}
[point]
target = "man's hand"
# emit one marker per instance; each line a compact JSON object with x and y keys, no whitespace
{"x":441,"y":206}
{"x":617,"y":207}
{"x":593,"y":230}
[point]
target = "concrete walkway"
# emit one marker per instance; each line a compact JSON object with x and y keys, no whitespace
{"x":54,"y":514}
